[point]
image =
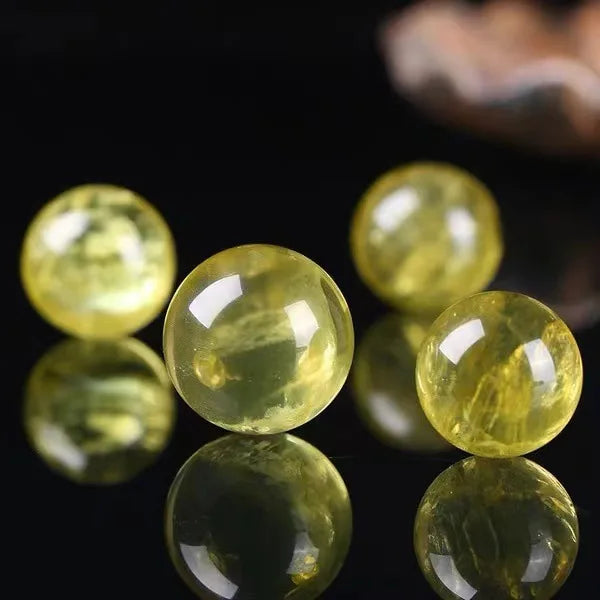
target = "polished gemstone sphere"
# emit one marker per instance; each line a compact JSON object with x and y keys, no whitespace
{"x":258,"y":339}
{"x":496,"y":529}
{"x":99,"y":412}
{"x":499,"y":374}
{"x":258,"y":518}
{"x":98,"y":261}
{"x":424,"y":235}
{"x":383,"y":382}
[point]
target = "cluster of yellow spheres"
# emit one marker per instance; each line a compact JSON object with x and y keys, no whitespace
{"x":258,"y":339}
{"x":498,"y":374}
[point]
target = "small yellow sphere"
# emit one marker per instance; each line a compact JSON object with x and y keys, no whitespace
{"x":383,"y":377}
{"x":99,"y":411}
{"x":258,"y":339}
{"x":425,"y":235}
{"x":499,"y":374}
{"x":98,"y":261}
{"x":496,"y":529}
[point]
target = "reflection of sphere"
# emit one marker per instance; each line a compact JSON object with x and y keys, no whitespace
{"x":99,"y":412}
{"x":98,"y":261}
{"x":426,"y":234}
{"x":499,"y":374}
{"x":258,"y":339}
{"x":251,"y":517}
{"x":496,"y":528}
{"x":384,"y":384}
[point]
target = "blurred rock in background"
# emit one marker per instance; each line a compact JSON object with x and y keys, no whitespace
{"x":509,"y":69}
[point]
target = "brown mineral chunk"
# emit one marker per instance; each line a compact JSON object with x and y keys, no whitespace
{"x":508,"y":69}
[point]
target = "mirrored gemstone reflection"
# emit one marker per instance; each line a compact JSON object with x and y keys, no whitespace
{"x":99,"y":412}
{"x":383,"y":383}
{"x":496,"y":528}
{"x":258,"y":517}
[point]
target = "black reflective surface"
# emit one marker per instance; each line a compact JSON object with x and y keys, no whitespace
{"x":251,"y":123}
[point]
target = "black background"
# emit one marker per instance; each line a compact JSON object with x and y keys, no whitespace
{"x":241,"y":122}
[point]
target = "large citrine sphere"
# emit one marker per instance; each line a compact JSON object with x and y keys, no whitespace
{"x":499,"y":374}
{"x":258,"y":339}
{"x":426,"y":234}
{"x":496,"y":529}
{"x":258,"y":518}
{"x":99,"y":411}
{"x":98,"y":261}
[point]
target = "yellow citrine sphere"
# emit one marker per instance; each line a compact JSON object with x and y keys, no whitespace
{"x":258,"y":339}
{"x":98,"y":261}
{"x":99,"y":412}
{"x":499,"y":374}
{"x":425,"y":235}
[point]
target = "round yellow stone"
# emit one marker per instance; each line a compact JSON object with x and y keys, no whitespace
{"x":496,"y":529}
{"x":258,"y":518}
{"x":98,"y":261}
{"x":425,"y":235}
{"x":383,"y":378}
{"x":99,"y":411}
{"x":499,"y":374}
{"x":258,"y":339}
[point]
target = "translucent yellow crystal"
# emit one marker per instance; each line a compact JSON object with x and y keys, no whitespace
{"x":252,"y":517}
{"x":425,"y":235}
{"x":489,"y":528}
{"x":383,"y":378}
{"x":98,"y":261}
{"x":99,"y":411}
{"x":499,"y":374}
{"x":258,"y":339}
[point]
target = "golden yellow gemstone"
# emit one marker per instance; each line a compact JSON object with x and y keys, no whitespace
{"x":383,"y":378}
{"x":499,"y":374}
{"x":258,"y":339}
{"x":425,"y":235}
{"x":252,"y":517}
{"x":99,"y":411}
{"x":496,"y":529}
{"x":98,"y":261}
